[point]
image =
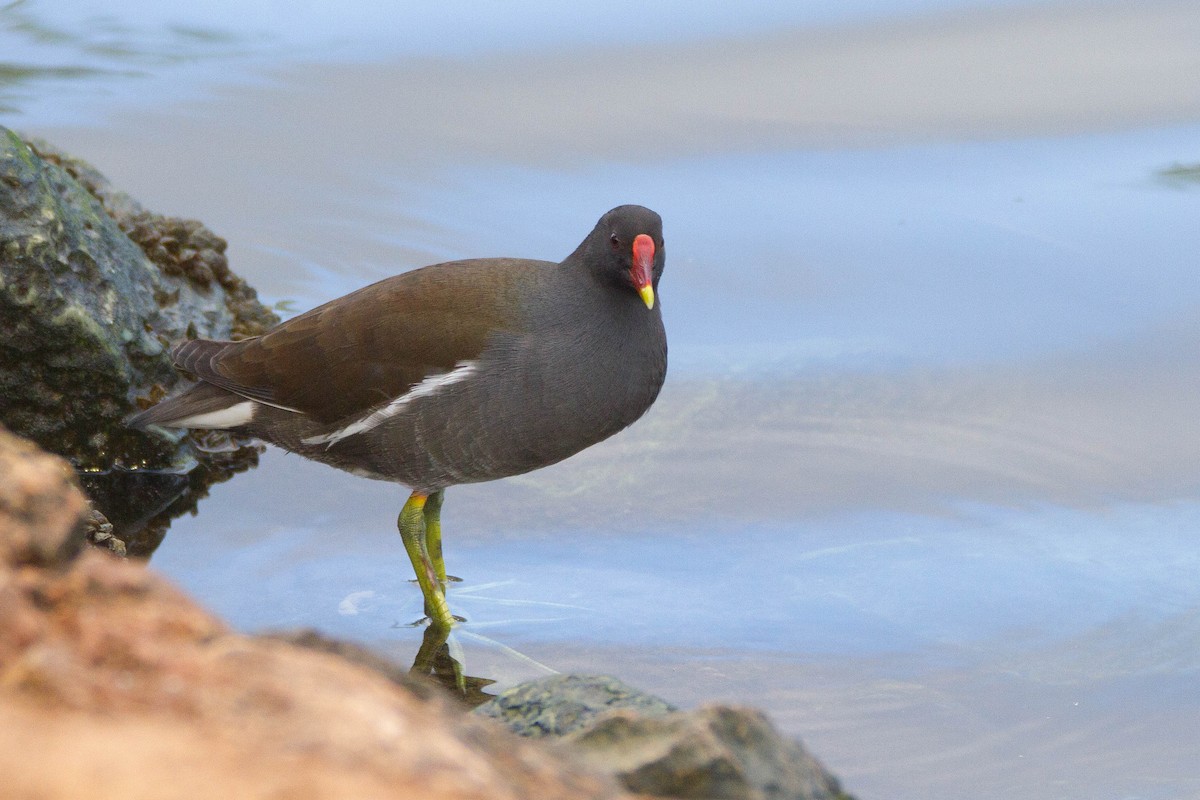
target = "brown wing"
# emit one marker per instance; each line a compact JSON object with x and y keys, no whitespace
{"x":372,"y":345}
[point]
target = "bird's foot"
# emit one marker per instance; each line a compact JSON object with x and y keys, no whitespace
{"x":428,"y":620}
{"x":449,"y":579}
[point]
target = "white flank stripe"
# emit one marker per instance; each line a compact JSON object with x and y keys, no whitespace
{"x":425,"y":388}
{"x":237,"y":414}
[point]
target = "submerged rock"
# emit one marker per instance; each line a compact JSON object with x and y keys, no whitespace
{"x":654,"y":749}
{"x":713,"y":752}
{"x":563,"y":704}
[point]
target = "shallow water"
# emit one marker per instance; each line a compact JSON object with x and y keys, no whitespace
{"x":925,"y":478}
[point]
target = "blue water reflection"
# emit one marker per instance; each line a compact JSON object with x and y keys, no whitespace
{"x":924,"y":476}
{"x":380,"y":29}
{"x":947,"y":253}
{"x":861,"y":584}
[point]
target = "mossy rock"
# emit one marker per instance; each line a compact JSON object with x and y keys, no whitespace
{"x":88,"y":316}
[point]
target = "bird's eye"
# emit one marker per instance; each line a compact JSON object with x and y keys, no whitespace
{"x":615,"y":241}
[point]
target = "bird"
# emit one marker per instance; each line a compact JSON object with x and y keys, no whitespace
{"x":458,"y":372}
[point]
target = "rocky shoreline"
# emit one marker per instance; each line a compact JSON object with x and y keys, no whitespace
{"x":114,"y":684}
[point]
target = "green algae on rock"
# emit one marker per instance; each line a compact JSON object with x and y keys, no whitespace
{"x":88,"y":315}
{"x":93,"y":291}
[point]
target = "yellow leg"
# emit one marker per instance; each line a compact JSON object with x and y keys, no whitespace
{"x":433,"y":535}
{"x":412,"y":531}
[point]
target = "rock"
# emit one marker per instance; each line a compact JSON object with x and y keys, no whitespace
{"x":113,"y":684}
{"x":179,"y":247}
{"x":99,"y":531}
{"x":93,"y":290}
{"x":562,"y":704}
{"x":41,"y":507}
{"x":713,"y":752}
{"x":88,"y":316}
{"x":654,"y":749}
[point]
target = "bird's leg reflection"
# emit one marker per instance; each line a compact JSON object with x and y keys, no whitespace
{"x":434,"y":660}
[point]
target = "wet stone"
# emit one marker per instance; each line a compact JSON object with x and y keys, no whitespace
{"x":99,"y":531}
{"x":714,"y":752}
{"x":562,"y":704}
{"x":653,"y":749}
{"x":88,"y":317}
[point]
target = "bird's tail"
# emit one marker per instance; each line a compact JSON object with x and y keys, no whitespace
{"x":200,"y":406}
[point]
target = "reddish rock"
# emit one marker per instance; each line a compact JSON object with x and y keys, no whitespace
{"x":41,"y":517}
{"x":113,"y":684}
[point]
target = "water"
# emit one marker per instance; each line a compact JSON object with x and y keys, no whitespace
{"x":924,"y":480}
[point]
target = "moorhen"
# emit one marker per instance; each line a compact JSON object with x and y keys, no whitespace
{"x":454,"y":373}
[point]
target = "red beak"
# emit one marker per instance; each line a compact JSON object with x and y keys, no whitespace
{"x":642,"y":269}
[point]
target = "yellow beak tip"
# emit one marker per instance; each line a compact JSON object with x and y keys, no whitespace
{"x":647,"y":293}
